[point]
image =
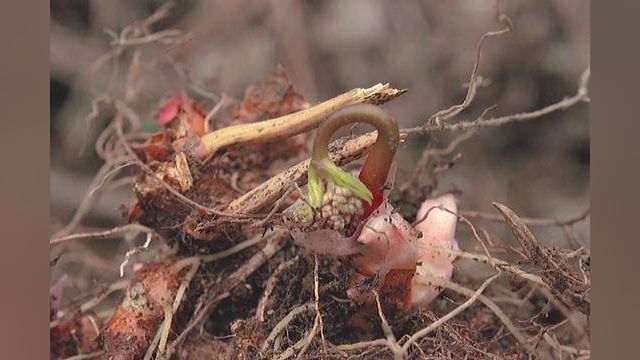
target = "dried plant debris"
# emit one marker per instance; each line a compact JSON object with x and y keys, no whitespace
{"x":221,"y":179}
{"x":558,"y":271}
{"x":257,"y":267}
{"x":76,"y":335}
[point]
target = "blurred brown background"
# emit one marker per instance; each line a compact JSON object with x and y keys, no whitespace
{"x":539,"y":168}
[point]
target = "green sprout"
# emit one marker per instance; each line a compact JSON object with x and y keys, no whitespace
{"x":335,"y":197}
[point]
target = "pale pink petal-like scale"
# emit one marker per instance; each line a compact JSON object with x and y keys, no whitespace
{"x":388,"y":242}
{"x":438,"y":229}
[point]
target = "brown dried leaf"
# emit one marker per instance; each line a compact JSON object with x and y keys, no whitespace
{"x":181,"y":111}
{"x":529,"y":243}
{"x":270,"y":97}
{"x":156,"y":148}
{"x":183,"y":173}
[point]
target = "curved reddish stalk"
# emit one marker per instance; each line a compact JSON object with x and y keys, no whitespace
{"x":376,"y":167}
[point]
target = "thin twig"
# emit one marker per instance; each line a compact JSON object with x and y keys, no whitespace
{"x":556,"y":272}
{"x":568,"y":314}
{"x":221,"y":254}
{"x":565,"y":348}
{"x":432,"y":280}
{"x":154,"y":342}
{"x":85,"y":356}
{"x":134,"y":251}
{"x":270,"y":286}
{"x":454,"y":110}
{"x":93,"y":114}
{"x":105,"y":234}
{"x":430,"y":152}
{"x":166,"y":328}
{"x":216,"y":108}
{"x":528,"y":221}
{"x":361,"y":345}
{"x":89,"y":304}
{"x":392,"y":343}
{"x":463,"y":219}
{"x":318,"y":320}
{"x":580,"y":96}
{"x":107,"y":175}
{"x":275,"y":208}
{"x":164,"y":36}
{"x":498,"y":264}
{"x":282,"y":324}
{"x":89,"y":199}
{"x":301,"y":344}
{"x":130,"y":36}
{"x":316,"y":294}
{"x":424,"y":332}
{"x":273,"y":244}
{"x":306,"y":341}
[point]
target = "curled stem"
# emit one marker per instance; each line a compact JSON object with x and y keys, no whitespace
{"x":376,"y":167}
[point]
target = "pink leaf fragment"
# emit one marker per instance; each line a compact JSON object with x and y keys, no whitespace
{"x":169,"y":108}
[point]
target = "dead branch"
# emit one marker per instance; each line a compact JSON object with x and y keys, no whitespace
{"x":296,"y":123}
